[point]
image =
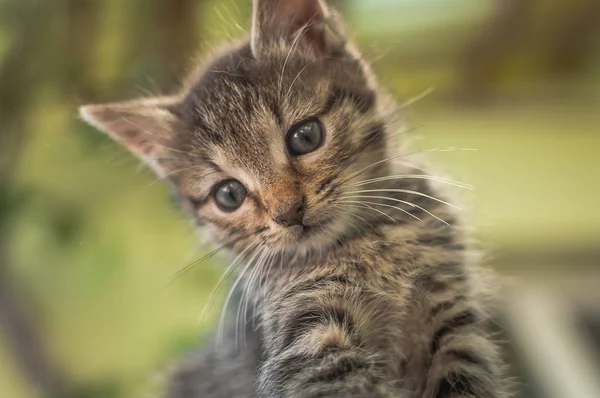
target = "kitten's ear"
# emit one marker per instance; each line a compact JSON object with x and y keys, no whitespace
{"x":142,"y":126}
{"x":303,"y":23}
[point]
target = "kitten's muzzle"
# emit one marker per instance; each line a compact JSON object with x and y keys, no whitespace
{"x":290,"y":215}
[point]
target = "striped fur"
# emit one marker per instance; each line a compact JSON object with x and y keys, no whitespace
{"x":379,"y":293}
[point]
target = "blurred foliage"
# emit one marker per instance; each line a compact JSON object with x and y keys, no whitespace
{"x":87,"y":240}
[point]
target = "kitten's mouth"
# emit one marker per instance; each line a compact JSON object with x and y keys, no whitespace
{"x":303,"y":233}
{"x":309,"y":231}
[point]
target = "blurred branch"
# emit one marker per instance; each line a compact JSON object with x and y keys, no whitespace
{"x":177,"y":18}
{"x":55,"y":44}
{"x":81,"y":41}
{"x":19,"y":329}
{"x":560,"y":44}
{"x":572,"y":34}
{"x":489,"y":50}
{"x":22,"y":337}
{"x":16,"y":83}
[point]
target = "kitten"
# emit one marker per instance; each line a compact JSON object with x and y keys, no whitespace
{"x":354,"y":277}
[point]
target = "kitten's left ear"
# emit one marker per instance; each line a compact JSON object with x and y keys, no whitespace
{"x":143,"y":126}
{"x":307,"y":24}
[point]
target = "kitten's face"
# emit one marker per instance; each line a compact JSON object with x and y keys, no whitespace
{"x":261,"y":145}
{"x":267,"y":148}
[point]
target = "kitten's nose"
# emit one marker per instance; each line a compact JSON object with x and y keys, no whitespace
{"x":292,"y":215}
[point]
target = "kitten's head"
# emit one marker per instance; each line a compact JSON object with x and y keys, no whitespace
{"x":263,"y":141}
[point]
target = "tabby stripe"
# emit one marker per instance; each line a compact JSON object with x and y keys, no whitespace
{"x":468,"y":357}
{"x":435,"y":240}
{"x":303,"y":322}
{"x":215,"y":166}
{"x":465,"y":318}
{"x":441,"y":277}
{"x":324,"y":183}
{"x":454,"y":385}
{"x":449,"y":269}
{"x":336,"y":364}
{"x":197,"y":202}
{"x":375,"y":134}
{"x":446,"y":305}
{"x":219,"y":223}
{"x":256,"y":200}
{"x":208,"y":132}
{"x":316,"y":284}
{"x":363,"y":100}
{"x":342,"y":366}
{"x":276,"y":109}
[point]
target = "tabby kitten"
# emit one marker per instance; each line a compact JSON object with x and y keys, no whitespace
{"x":353,"y":276}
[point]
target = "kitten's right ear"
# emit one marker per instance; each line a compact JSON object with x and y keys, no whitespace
{"x":142,"y":126}
{"x":307,"y":24}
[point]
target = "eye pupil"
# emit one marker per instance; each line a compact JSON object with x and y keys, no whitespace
{"x":305,"y":138}
{"x":229,"y":195}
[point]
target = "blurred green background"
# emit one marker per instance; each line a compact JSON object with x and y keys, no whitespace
{"x":88,"y":238}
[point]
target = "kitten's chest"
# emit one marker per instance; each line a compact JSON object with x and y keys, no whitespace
{"x":395,"y":319}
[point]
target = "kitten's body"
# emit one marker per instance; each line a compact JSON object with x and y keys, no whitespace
{"x":406,"y":293}
{"x":367,"y":288}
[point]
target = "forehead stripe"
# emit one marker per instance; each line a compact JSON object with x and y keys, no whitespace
{"x":363,"y":100}
{"x":198,"y":202}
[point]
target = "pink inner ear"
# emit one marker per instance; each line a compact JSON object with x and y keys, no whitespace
{"x":285,"y":19}
{"x":300,"y":11}
{"x":138,"y":134}
{"x":137,"y":140}
{"x":129,"y":135}
{"x":134,"y":131}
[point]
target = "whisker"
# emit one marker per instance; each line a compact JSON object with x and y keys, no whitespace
{"x":410,"y":130}
{"x":230,"y":268}
{"x":298,"y":75}
{"x":254,"y":274}
{"x":292,"y":48}
{"x":359,"y":172}
{"x":377,"y":210}
{"x":353,"y":224}
{"x":230,"y":295}
{"x":412,"y":205}
{"x":366,"y":145}
{"x":188,"y":267}
{"x":261,"y":269}
{"x":179,"y":171}
{"x":414,"y":176}
{"x":385,"y":205}
{"x":245,"y":290}
{"x":416,"y":98}
{"x":360,"y":218}
{"x":264,"y":283}
{"x":403,"y":191}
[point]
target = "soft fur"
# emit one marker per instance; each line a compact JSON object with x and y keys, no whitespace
{"x":376,"y":294}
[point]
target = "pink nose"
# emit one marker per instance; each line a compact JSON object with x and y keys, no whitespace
{"x":290,"y":214}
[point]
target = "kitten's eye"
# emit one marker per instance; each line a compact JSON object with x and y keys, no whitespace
{"x":230,"y":195}
{"x":305,"y":138}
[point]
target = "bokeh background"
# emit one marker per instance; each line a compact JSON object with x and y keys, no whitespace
{"x":89,"y":238}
